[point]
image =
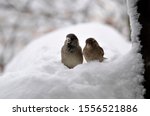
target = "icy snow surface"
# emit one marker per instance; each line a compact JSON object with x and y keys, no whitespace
{"x":37,"y":71}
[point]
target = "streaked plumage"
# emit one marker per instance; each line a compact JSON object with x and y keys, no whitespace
{"x":92,"y":51}
{"x":71,"y":52}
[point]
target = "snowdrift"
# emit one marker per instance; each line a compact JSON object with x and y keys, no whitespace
{"x":37,"y":71}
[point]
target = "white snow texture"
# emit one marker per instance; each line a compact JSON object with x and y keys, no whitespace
{"x":37,"y":72}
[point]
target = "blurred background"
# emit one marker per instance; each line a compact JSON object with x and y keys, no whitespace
{"x":22,"y":21}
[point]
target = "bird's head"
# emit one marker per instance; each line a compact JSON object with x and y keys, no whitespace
{"x":91,"y":42}
{"x":71,"y":40}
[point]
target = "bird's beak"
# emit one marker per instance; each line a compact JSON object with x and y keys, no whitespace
{"x":88,"y":45}
{"x":68,"y":40}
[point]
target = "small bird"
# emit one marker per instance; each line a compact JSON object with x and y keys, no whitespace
{"x":92,"y":51}
{"x":71,"y":52}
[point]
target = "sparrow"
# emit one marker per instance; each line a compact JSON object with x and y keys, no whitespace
{"x":71,"y":52}
{"x":92,"y":51}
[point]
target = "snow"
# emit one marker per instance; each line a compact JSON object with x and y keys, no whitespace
{"x":134,"y":24}
{"x":37,"y":71}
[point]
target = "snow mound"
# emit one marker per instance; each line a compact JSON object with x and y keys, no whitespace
{"x":38,"y":73}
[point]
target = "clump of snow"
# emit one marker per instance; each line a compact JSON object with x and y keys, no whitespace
{"x":37,"y":71}
{"x":134,"y":24}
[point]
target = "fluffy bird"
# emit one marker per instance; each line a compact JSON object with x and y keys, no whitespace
{"x":92,"y":51}
{"x":71,"y":52}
